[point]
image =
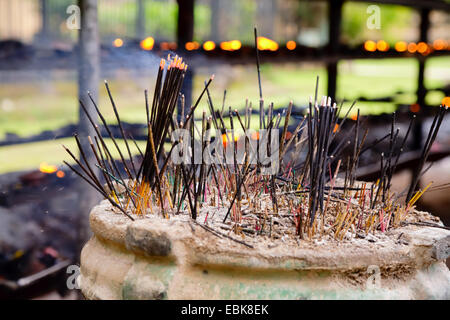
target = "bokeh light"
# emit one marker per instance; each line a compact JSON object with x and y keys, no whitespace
{"x":422,"y":47}
{"x":230,"y":45}
{"x":439,"y":44}
{"x":148,"y":43}
{"x":414,"y":108}
{"x":412,"y":47}
{"x":291,"y":45}
{"x":192,"y":45}
{"x":118,"y":43}
{"x":446,"y":101}
{"x":401,"y":46}
{"x":382,"y":46}
{"x":209,"y":45}
{"x":267,"y":44}
{"x":370,"y":46}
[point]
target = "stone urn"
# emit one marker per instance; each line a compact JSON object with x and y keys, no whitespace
{"x":156,"y":258}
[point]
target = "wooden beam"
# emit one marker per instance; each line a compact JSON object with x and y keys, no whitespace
{"x":215,"y":34}
{"x":44,"y":34}
{"x":334,"y":31}
{"x":88,"y":64}
{"x":424,"y":26}
{"x":408,"y":160}
{"x":421,"y":89}
{"x":185,"y":22}
{"x":430,"y":4}
{"x":88,"y":79}
{"x":185,"y":33}
{"x":140,"y":19}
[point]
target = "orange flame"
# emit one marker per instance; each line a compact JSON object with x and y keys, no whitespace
{"x":401,"y":46}
{"x":439,"y":44}
{"x":192,"y":45}
{"x":147,"y":43}
{"x":370,"y":45}
{"x":209,"y":45}
{"x":164,"y":46}
{"x":422,"y":47}
{"x":288,"y":135}
{"x":412,"y":47}
{"x":60,"y":174}
{"x":266,"y":44}
{"x":47,"y":168}
{"x":230,"y":45}
{"x":225,"y":139}
{"x":118,"y":43}
{"x":291,"y":45}
{"x":382,"y":46}
{"x":446,"y":101}
{"x":336,"y":127}
{"x":414,"y":108}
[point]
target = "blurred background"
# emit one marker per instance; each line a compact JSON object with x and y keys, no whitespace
{"x":389,"y":55}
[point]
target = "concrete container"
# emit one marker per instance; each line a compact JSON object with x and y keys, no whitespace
{"x":167,"y":259}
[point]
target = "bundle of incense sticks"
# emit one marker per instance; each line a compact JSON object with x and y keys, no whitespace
{"x":165,"y":98}
{"x":318,"y":195}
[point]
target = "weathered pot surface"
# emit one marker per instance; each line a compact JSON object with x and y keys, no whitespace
{"x":171,"y":259}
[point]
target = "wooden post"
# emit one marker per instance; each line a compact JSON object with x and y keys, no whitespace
{"x":185,"y":23}
{"x":43,"y":35}
{"x":140,"y":19}
{"x":215,"y":34}
{"x":334,"y":31}
{"x":266,"y":17}
{"x":88,"y":79}
{"x":421,"y":90}
{"x":185,"y":33}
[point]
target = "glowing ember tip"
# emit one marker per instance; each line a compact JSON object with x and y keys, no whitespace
{"x":414,"y":108}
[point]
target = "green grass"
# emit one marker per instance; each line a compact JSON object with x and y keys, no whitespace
{"x":35,"y":109}
{"x":369,"y":78}
{"x":31,"y":155}
{"x":30,"y":108}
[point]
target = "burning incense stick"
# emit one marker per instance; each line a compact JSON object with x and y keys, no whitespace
{"x":305,"y":193}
